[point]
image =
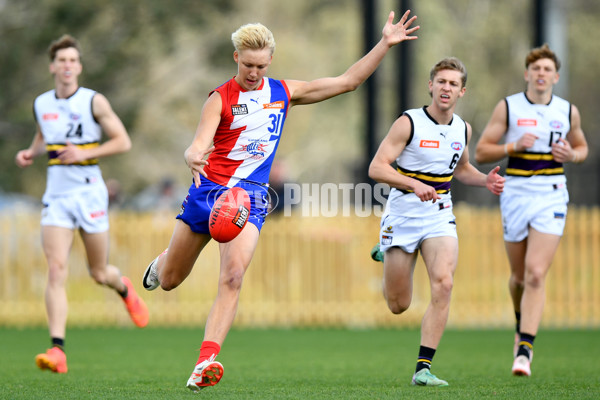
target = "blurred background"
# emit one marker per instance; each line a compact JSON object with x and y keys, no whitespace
{"x":156,"y":61}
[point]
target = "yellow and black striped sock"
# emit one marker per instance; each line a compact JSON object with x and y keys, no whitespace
{"x":425,"y":357}
{"x":525,"y":345}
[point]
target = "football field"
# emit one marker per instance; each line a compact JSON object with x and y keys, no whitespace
{"x":117,"y":363}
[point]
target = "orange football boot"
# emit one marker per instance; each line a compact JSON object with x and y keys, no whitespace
{"x":135,"y":305}
{"x":54,"y":359}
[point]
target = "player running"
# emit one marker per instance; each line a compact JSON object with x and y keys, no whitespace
{"x":70,"y":121}
{"x":429,"y":145}
{"x":541,"y":132}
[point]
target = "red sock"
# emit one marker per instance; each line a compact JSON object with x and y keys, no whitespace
{"x":209,"y":350}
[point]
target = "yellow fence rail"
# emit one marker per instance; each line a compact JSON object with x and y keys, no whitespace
{"x":306,"y":272}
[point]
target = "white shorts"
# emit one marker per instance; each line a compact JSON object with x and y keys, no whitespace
{"x":545,"y":212}
{"x":408,"y":233}
{"x":87,"y":209}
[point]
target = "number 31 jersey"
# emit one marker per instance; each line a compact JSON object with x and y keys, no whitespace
{"x":72,"y":120}
{"x":249,"y":132}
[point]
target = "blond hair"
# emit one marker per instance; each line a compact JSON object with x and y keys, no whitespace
{"x":451,"y":63}
{"x":253,"y":37}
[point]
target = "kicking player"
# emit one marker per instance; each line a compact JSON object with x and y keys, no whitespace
{"x":429,"y":145}
{"x":70,"y":121}
{"x":540,"y":132}
{"x":239,"y":130}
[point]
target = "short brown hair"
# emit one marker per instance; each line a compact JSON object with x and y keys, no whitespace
{"x":451,"y":63}
{"x":63,"y":42}
{"x":542,"y":52}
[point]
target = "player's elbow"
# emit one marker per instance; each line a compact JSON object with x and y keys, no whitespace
{"x":126,"y":144}
{"x":479,"y":156}
{"x":373,"y":171}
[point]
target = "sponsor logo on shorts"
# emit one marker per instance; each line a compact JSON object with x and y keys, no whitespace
{"x":239,"y":109}
{"x":275,"y":104}
{"x":559,"y":215}
{"x":389,"y":229}
{"x":97,"y":214}
{"x":432,"y":144}
{"x":526,"y":122}
{"x":386,"y":240}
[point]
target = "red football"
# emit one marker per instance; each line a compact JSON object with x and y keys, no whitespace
{"x":229,"y":214}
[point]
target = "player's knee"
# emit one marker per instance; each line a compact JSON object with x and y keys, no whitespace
{"x":98,"y":276}
{"x":443,"y":286}
{"x":517,"y":282}
{"x":534,"y":278}
{"x":233,"y":278}
{"x":167,"y":283}
{"x":397,"y":307}
{"x":57,"y":272}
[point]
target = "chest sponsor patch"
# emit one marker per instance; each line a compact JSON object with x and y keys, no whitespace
{"x":239,"y":109}
{"x":526,"y":122}
{"x":50,"y":116}
{"x":431,"y":144}
{"x":275,"y":104}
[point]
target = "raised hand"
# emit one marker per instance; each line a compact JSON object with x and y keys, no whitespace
{"x":396,"y":33}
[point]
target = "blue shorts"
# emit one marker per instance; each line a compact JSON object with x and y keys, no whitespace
{"x":195,"y":210}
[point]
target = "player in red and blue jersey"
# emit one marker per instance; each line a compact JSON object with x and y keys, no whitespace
{"x":239,"y":130}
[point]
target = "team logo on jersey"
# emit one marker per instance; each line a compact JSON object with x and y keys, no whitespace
{"x":275,"y":104}
{"x":432,"y":144}
{"x":556,"y":124}
{"x":255,"y":149}
{"x":239,"y":109}
{"x":456,"y":146}
{"x":526,"y":122}
{"x":50,"y":116}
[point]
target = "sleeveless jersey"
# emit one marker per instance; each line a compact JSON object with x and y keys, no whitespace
{"x":62,"y":120}
{"x":535,"y":169}
{"x":249,"y":132}
{"x":430,"y":156}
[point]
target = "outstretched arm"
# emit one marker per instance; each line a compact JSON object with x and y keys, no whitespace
{"x":325,"y":88}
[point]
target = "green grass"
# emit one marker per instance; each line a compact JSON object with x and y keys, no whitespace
{"x":299,"y":364}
